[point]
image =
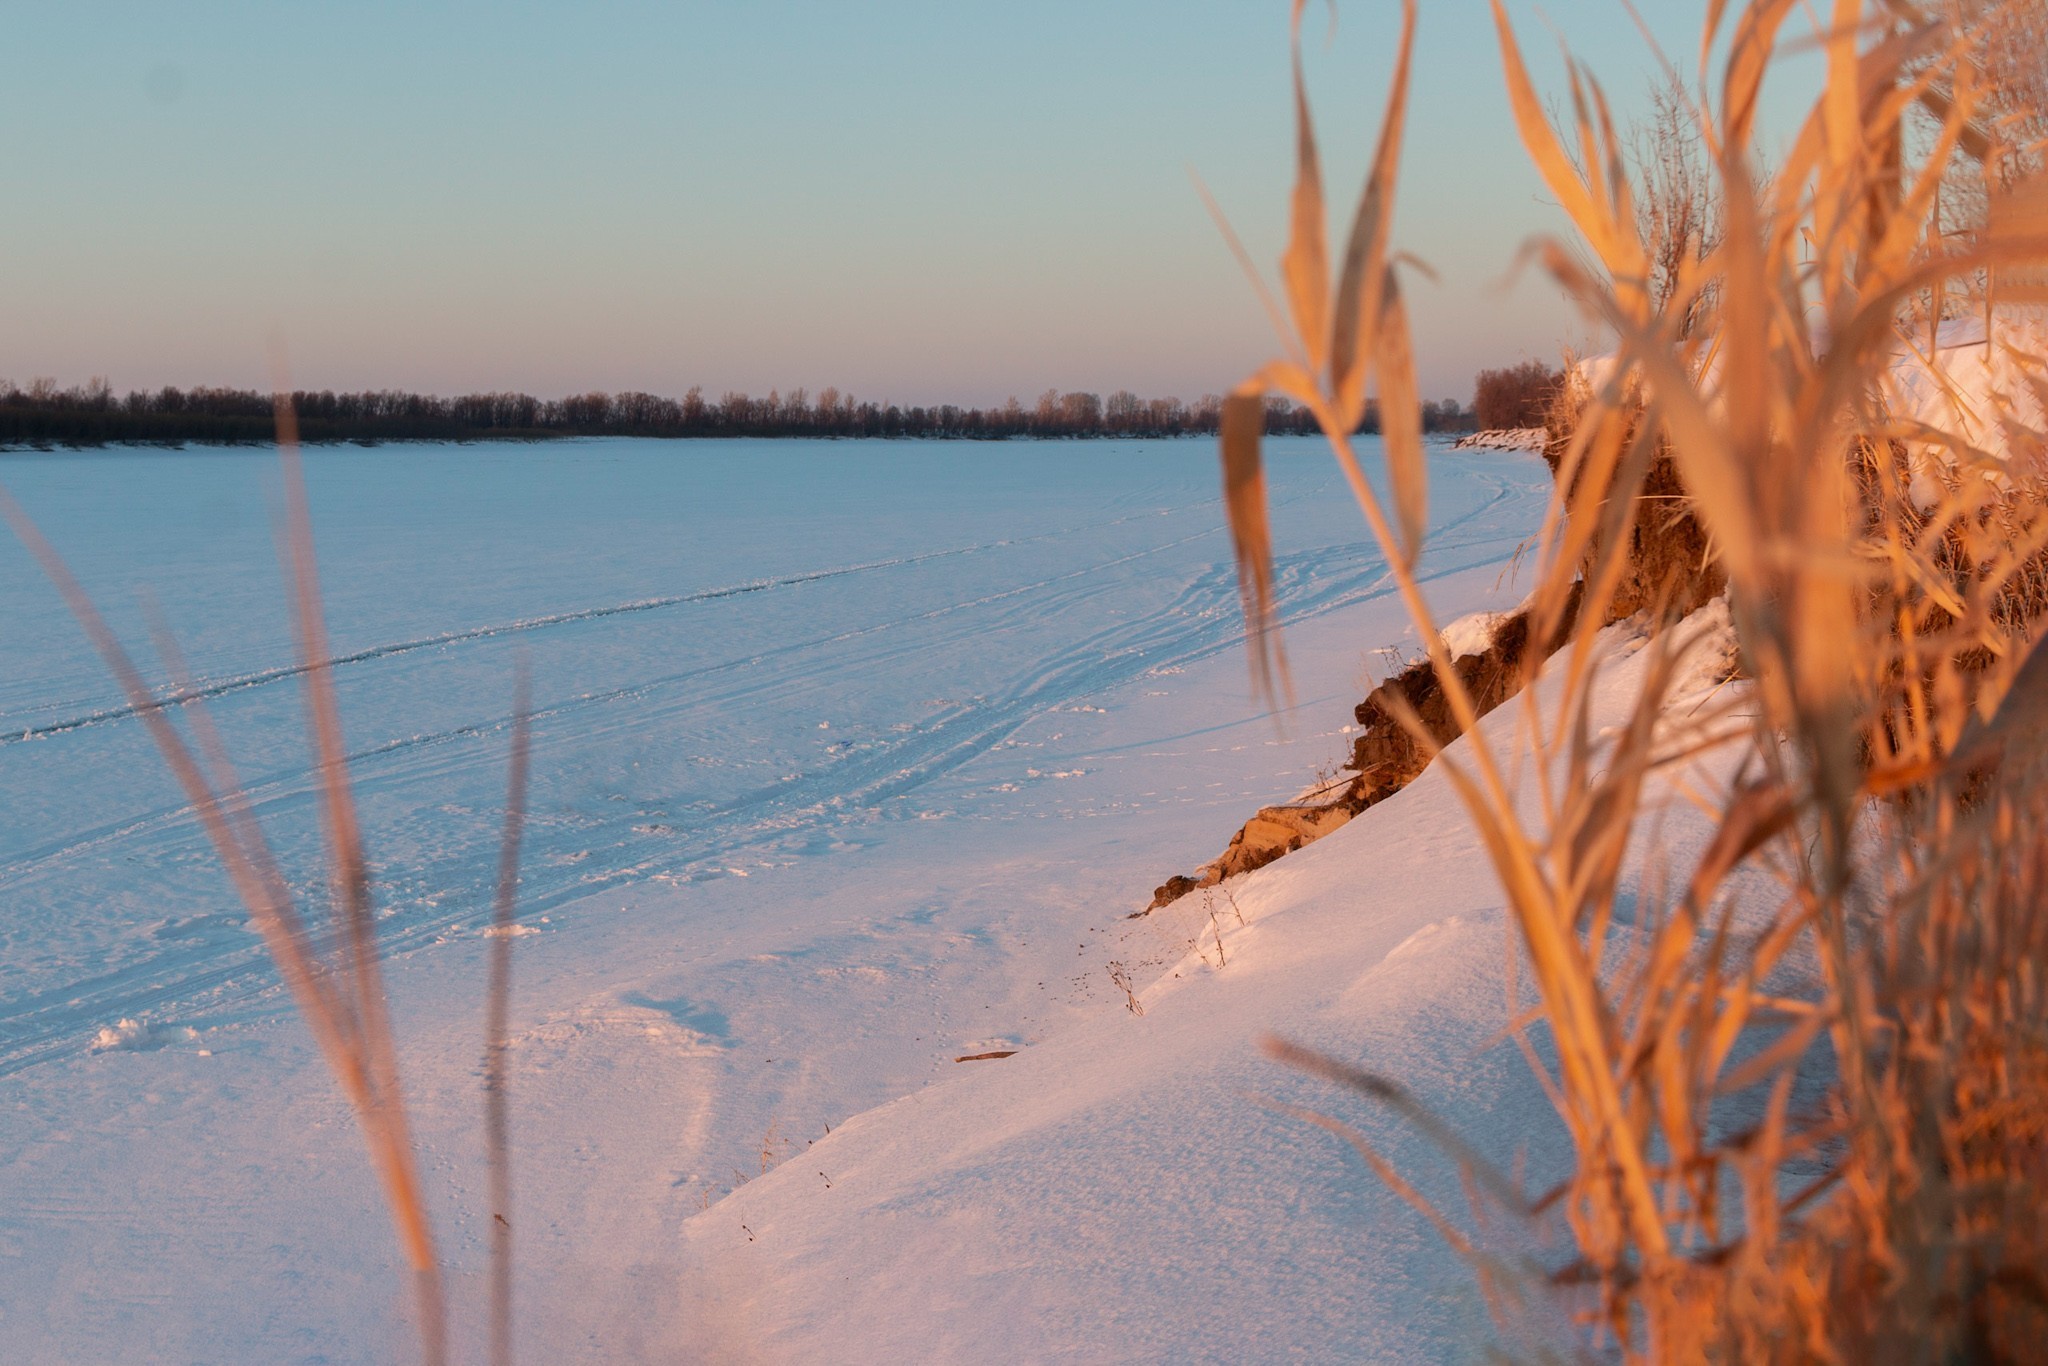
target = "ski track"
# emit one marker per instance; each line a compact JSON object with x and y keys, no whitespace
{"x":211,"y":972}
{"x":213,"y":688}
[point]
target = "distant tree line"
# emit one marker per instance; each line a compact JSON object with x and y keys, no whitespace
{"x":93,"y":415}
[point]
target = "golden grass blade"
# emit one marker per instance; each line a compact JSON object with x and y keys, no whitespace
{"x":1594,"y":167}
{"x":1785,"y":1052}
{"x":2021,"y":719}
{"x":274,"y":918}
{"x":1761,"y":1173}
{"x":291,"y":948}
{"x":497,"y":1097}
{"x":330,"y":1012}
{"x":1916,"y":207}
{"x":1971,"y":136}
{"x":1578,"y":1013}
{"x":1873,"y":630}
{"x":1364,"y":251}
{"x":1749,"y":57}
{"x":1305,"y":266}
{"x":1617,"y":245}
{"x":1284,"y":333}
{"x":1697,"y":439}
{"x":1244,"y":501}
{"x":1401,"y":422}
{"x":2018,"y":243}
{"x":1709,"y":28}
{"x":390,"y":1129}
{"x":1842,"y":162}
{"x":339,"y":823}
{"x":1538,"y":138}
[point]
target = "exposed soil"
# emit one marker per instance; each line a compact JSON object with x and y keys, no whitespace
{"x":1669,"y":569}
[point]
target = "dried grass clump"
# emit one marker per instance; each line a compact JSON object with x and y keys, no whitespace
{"x":1805,"y":1085}
{"x":1666,"y":557}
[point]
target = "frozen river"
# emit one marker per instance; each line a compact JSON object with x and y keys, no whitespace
{"x":742,"y":652}
{"x":850,"y":759}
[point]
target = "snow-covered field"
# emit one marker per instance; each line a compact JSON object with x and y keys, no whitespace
{"x":850,"y":758}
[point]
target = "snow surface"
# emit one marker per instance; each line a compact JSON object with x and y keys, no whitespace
{"x":1472,"y":634}
{"x":1981,"y":387}
{"x":1134,"y":1188}
{"x":850,"y":760}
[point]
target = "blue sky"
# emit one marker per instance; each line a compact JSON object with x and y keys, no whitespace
{"x":914,"y":200}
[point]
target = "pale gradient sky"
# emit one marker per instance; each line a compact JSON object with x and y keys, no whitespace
{"x":924,"y":200}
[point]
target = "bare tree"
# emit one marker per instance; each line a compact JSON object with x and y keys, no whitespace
{"x":1990,"y":53}
{"x":2004,"y":44}
{"x":1515,"y":396}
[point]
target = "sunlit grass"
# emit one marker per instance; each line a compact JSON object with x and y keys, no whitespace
{"x":1882,"y":776}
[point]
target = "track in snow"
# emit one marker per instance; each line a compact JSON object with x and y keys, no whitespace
{"x":658,"y":770}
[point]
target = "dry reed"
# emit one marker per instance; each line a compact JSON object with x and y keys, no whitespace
{"x":339,"y":993}
{"x":1769,"y":1163}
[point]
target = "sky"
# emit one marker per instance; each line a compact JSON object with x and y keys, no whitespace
{"x":914,"y":200}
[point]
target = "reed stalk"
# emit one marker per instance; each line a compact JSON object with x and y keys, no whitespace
{"x":1769,"y":1163}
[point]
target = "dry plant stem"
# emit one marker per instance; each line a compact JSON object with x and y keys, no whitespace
{"x":386,"y":1118}
{"x":497,"y":1097}
{"x":348,"y":1020}
{"x":1373,"y":336}
{"x":1120,"y":977}
{"x":1878,"y":633}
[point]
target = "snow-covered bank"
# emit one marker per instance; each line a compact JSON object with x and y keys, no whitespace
{"x":1131,"y":1190}
{"x":1502,"y":439}
{"x":1025,"y":713}
{"x":1975,"y":380}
